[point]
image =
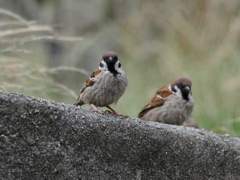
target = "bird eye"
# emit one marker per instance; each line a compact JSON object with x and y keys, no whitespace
{"x":119,"y":65}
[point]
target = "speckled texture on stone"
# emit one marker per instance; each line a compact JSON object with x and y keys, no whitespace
{"x":42,"y":139}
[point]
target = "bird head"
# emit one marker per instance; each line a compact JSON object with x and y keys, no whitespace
{"x":181,"y":87}
{"x":110,"y":62}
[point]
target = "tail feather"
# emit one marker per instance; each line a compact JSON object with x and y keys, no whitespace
{"x":78,"y":102}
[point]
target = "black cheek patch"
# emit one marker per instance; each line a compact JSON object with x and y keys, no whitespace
{"x":101,"y":65}
{"x":173,"y":89}
{"x":119,"y":65}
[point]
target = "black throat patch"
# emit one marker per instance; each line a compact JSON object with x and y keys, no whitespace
{"x":111,"y":64}
{"x":111,"y":68}
{"x":184,"y":91}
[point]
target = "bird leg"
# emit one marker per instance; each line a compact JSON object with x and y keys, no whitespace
{"x":96,"y":109}
{"x":115,"y":112}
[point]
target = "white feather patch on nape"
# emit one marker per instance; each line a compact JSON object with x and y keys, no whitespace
{"x":169,"y":87}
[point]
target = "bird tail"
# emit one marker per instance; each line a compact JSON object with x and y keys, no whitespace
{"x":78,"y":102}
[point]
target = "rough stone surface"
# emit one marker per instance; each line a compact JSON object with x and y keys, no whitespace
{"x":42,"y":139}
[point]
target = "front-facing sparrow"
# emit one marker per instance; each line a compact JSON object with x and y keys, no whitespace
{"x":105,"y":85}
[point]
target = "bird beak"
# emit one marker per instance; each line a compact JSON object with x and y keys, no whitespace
{"x":187,"y":89}
{"x":111,"y":60}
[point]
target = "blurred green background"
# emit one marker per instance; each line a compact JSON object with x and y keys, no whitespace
{"x":157,"y":42}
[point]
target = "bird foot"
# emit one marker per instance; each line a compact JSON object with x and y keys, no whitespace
{"x":115,"y":112}
{"x":96,"y":109}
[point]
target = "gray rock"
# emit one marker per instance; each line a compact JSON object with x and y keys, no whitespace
{"x":42,"y":139}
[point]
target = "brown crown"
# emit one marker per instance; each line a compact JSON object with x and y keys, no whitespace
{"x":109,"y":53}
{"x":183,"y":81}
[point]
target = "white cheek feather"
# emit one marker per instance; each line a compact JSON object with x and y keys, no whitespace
{"x":178,"y":93}
{"x":190,"y":96}
{"x":117,"y":68}
{"x":104,"y":68}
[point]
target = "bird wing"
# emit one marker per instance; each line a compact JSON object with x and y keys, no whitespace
{"x":157,"y":101}
{"x":90,"y":81}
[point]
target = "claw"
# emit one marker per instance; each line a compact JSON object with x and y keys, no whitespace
{"x":115,"y":112}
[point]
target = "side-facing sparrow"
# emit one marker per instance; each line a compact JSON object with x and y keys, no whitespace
{"x":105,"y":85}
{"x":172,"y":104}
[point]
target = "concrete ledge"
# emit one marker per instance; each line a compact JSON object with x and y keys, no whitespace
{"x":42,"y":139}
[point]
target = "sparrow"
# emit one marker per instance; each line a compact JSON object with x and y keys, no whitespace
{"x":172,"y":104}
{"x":105,"y":85}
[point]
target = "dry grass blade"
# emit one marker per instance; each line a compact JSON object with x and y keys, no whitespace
{"x":25,"y":30}
{"x":15,"y":16}
{"x":49,"y":70}
{"x":57,"y":85}
{"x":5,"y":86}
{"x":2,"y":88}
{"x":82,"y":71}
{"x":8,"y":23}
{"x":34,"y":38}
{"x":16,"y":50}
{"x":10,"y":59}
{"x":63,"y":87}
{"x":31,"y":27}
{"x":11,"y":66}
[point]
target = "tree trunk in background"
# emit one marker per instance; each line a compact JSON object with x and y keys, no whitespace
{"x":41,"y":139}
